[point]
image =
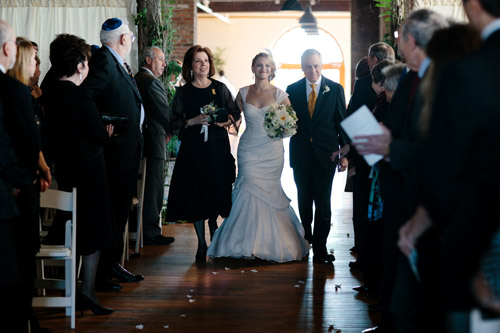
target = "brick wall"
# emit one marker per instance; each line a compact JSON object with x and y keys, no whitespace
{"x":184,"y":21}
{"x":365,"y":30}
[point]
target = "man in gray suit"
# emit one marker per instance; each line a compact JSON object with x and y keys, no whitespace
{"x":156,"y":134}
{"x":320,"y":106}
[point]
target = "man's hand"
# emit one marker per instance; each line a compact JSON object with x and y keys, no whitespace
{"x":343,"y":164}
{"x":340,"y":153}
{"x":413,"y":229}
{"x":373,"y":144}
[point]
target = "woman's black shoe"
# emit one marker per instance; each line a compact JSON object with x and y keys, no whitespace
{"x":85,"y":303}
{"x":201,"y":254}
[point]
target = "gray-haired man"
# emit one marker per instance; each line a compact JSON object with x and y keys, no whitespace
{"x":156,"y":133}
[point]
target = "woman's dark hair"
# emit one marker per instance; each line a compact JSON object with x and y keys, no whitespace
{"x":452,"y":42}
{"x":66,"y":52}
{"x":187,"y":64}
{"x":362,"y":68}
{"x":377,"y":75}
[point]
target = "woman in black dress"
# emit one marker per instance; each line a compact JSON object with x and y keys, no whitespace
{"x":77,"y":138}
{"x":204,"y":171}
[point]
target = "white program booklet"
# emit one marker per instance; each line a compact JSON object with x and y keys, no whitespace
{"x":362,"y":122}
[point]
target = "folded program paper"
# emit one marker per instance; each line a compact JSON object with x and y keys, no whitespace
{"x":362,"y":122}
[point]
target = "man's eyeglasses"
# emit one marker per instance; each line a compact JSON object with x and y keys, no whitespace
{"x":132,"y":36}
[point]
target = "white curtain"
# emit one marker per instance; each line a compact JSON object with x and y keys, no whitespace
{"x":41,"y":20}
{"x":448,"y":8}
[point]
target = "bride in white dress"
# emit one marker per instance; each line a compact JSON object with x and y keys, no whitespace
{"x":262,"y":224}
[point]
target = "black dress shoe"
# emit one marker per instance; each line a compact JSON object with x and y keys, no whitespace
{"x":353,"y":249}
{"x":85,"y":303}
{"x":159,"y":240}
{"x":360,"y":289}
{"x":107,"y":285}
{"x":323,"y":259}
{"x":121,"y":274}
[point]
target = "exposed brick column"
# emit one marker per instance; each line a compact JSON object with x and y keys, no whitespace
{"x":365,"y":30}
{"x":184,"y":21}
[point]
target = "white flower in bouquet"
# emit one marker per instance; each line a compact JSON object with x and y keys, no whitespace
{"x":280,"y":121}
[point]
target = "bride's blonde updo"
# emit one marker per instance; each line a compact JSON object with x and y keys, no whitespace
{"x":271,"y":62}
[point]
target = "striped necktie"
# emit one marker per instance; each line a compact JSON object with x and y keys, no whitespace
{"x":312,"y":100}
{"x":129,"y":71}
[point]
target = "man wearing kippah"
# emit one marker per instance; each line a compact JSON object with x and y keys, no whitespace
{"x":115,"y":94}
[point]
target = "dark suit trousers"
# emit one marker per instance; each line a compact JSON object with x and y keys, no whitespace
{"x":153,"y":196}
{"x":361,"y":192}
{"x":26,"y":240}
{"x":122,"y":187}
{"x":314,"y":185}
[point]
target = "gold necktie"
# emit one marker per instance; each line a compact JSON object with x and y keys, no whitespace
{"x":312,"y":100}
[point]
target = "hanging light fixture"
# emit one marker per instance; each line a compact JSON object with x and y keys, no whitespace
{"x":309,"y":22}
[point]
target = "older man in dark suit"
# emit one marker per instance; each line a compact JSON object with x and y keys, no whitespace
{"x":401,"y":146}
{"x":363,"y":94}
{"x":156,"y":133}
{"x":320,"y":106}
{"x":116,"y":94}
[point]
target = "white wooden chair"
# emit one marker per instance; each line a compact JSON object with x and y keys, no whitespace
{"x":65,"y":201}
{"x":138,"y":203}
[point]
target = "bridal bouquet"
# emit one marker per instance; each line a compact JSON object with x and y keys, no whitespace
{"x":280,"y":121}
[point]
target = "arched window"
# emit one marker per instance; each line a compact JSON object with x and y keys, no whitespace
{"x":288,"y":48}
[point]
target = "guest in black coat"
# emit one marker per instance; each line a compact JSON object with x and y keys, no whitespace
{"x":461,"y":192}
{"x":19,"y":123}
{"x":363,"y":94}
{"x":401,"y":148}
{"x":115,"y":93}
{"x":320,"y":107}
{"x":77,"y":139}
{"x":156,"y":135}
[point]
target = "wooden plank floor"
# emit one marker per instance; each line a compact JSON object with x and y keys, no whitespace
{"x":229,"y":295}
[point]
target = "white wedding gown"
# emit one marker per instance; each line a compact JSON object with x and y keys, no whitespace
{"x":262,"y":223}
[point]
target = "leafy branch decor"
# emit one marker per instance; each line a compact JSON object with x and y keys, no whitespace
{"x":393,"y":13}
{"x":154,"y":20}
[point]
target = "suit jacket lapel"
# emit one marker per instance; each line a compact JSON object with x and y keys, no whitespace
{"x":320,"y":100}
{"x":302,"y":91}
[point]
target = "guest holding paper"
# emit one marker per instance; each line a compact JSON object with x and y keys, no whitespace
{"x":204,"y":170}
{"x":400,"y":146}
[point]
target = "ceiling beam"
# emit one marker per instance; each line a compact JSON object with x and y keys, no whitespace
{"x":269,"y":6}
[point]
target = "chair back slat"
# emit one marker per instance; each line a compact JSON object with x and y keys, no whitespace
{"x":57,"y":200}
